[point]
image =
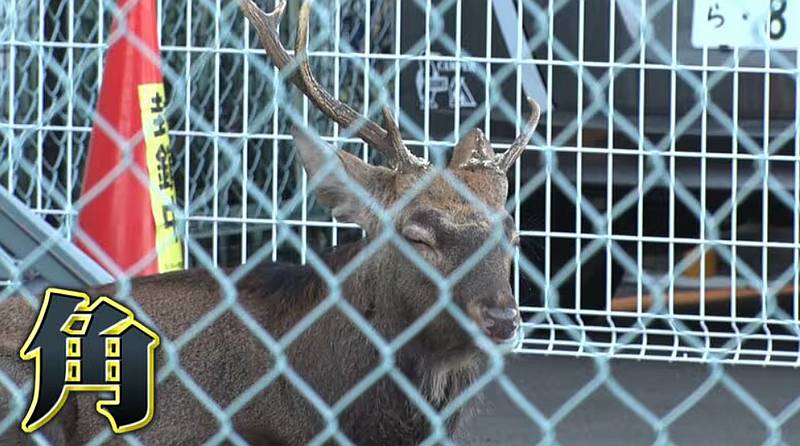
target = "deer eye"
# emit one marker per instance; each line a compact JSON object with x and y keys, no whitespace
{"x":418,"y":235}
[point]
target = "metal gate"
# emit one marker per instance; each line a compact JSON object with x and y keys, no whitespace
{"x":658,"y":204}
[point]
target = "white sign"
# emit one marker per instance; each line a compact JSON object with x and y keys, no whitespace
{"x":442,"y":81}
{"x":746,"y":24}
{"x":442,"y":88}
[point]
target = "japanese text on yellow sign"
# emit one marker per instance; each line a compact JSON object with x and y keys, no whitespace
{"x":152,"y":102}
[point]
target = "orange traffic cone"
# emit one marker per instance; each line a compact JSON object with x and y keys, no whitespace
{"x":126,"y":217}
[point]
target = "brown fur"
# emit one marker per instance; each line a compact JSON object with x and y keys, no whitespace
{"x":332,"y":355}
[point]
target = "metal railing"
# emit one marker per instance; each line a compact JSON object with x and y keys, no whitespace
{"x":658,"y":203}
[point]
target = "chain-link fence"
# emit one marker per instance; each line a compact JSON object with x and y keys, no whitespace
{"x":657,"y":204}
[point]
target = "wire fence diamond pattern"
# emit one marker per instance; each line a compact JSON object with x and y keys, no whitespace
{"x":243,"y":199}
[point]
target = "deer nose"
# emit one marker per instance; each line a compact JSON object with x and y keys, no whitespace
{"x":501,"y":324}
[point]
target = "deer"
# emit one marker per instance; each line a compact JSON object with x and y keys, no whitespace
{"x":361,"y":393}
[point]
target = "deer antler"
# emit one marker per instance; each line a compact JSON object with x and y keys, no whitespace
{"x":385,"y":139}
{"x":507,"y":159}
{"x":475,"y":151}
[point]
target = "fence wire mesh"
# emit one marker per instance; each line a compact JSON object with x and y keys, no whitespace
{"x":657,"y":204}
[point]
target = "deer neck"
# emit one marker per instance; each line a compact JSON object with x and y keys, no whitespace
{"x":375,"y":288}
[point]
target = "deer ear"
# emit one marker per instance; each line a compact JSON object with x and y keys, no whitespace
{"x":322,"y":162}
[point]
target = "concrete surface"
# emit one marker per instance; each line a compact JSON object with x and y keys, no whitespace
{"x":601,"y":419}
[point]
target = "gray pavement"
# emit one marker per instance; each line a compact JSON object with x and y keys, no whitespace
{"x":719,"y":418}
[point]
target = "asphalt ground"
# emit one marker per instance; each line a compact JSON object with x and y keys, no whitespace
{"x":718,"y":418}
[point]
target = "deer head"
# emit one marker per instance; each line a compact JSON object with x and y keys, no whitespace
{"x":444,"y":227}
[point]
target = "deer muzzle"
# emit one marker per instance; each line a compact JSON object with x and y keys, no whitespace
{"x":501,"y":324}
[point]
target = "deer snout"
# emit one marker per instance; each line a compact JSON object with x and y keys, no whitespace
{"x":499,"y":319}
{"x":501,"y":324}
